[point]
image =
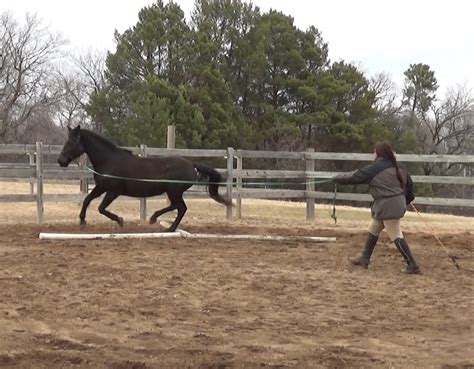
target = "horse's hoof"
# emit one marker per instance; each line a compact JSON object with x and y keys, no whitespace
{"x":152,"y":221}
{"x":82,"y":223}
{"x":120,"y":222}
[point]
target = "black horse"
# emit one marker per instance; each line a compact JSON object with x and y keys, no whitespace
{"x":119,"y":172}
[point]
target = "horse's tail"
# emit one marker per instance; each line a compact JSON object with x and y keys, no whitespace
{"x":214,"y":179}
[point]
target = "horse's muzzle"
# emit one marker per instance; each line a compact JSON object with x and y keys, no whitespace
{"x":63,"y":162}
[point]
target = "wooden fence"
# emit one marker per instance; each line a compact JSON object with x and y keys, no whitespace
{"x":36,"y":171}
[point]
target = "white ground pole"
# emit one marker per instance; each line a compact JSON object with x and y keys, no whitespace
{"x":259,"y":237}
{"x":179,"y":233}
{"x":105,"y":236}
{"x":179,"y":230}
{"x":115,"y":236}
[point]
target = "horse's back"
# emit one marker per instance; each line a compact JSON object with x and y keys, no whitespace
{"x":171,"y":167}
{"x":144,"y":177}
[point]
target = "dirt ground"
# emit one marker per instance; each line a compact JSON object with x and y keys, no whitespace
{"x":177,"y":303}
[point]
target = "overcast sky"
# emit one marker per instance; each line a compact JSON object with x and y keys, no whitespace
{"x":377,"y":35}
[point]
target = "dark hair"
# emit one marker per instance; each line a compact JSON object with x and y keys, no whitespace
{"x":385,"y":150}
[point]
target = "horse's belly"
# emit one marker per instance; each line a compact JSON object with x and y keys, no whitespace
{"x":143,"y":189}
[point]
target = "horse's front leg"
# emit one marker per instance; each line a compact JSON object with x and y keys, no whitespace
{"x":108,"y":198}
{"x":96,"y":192}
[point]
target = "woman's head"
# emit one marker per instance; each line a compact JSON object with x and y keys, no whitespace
{"x":384,"y":150}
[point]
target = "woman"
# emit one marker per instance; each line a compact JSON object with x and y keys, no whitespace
{"x":392,"y":189}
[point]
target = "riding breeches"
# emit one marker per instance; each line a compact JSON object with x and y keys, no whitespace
{"x":391,"y":226}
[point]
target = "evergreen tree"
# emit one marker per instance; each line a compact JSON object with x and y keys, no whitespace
{"x":420,"y":87}
{"x":233,"y":77}
{"x":145,"y":81}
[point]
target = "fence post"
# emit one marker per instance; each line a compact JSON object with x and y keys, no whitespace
{"x":463,"y":194}
{"x":31,"y":162}
{"x":83,"y":185}
{"x":239,"y":187}
{"x":170,"y":138}
{"x":309,"y":186}
{"x":39,"y":181}
{"x":143,"y":154}
{"x":230,"y":179}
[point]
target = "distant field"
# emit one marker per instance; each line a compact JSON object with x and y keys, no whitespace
{"x":201,"y":211}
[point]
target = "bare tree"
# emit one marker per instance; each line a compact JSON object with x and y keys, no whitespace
{"x":40,"y":126}
{"x":386,"y":94}
{"x":70,"y":108}
{"x":389,"y":104}
{"x":83,"y":78}
{"x":26,"y":78}
{"x":92,"y":66}
{"x":448,"y":128}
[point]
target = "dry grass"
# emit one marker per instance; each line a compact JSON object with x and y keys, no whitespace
{"x":254,"y":212}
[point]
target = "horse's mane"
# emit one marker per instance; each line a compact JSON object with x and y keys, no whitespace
{"x":104,"y":141}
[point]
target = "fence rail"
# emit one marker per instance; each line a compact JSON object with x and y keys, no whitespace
{"x":37,"y":172}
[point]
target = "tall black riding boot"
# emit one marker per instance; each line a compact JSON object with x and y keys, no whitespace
{"x":364,"y":259}
{"x":412,"y":267}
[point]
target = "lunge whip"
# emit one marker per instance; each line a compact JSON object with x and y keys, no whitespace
{"x":453,"y":259}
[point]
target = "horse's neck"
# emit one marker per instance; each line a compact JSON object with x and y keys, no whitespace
{"x":99,"y":153}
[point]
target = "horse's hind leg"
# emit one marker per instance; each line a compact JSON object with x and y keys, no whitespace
{"x":177,"y":202}
{"x":96,"y":192}
{"x":160,"y":212}
{"x":182,"y":208}
{"x":108,"y":198}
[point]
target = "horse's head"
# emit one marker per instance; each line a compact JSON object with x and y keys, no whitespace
{"x":73,"y":147}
